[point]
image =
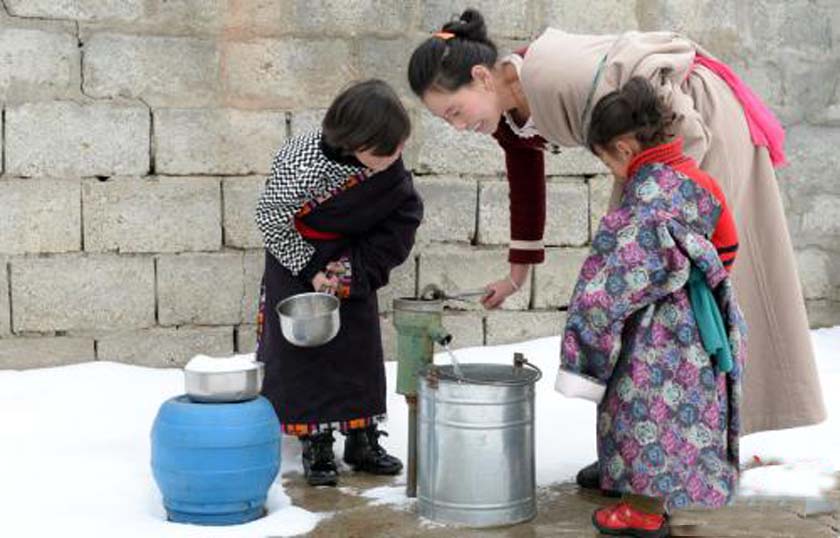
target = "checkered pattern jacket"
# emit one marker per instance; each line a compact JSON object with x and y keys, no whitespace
{"x":300,"y":172}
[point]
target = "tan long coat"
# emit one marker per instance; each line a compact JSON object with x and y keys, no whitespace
{"x":781,"y":387}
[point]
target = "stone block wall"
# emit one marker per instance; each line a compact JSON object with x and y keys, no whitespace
{"x":135,"y":137}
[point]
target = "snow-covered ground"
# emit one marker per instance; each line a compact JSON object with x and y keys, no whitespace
{"x":74,"y":447}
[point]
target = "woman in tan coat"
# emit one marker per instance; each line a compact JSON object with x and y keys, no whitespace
{"x":542,"y":96}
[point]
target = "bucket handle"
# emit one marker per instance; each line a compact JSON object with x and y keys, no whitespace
{"x":519,"y":361}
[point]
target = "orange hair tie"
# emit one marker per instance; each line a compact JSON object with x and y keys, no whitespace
{"x":444,"y":35}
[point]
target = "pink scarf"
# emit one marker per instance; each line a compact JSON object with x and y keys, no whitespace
{"x":765,"y":128}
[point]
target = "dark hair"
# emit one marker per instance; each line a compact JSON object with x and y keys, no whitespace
{"x":634,"y":108}
{"x":447,"y":63}
{"x":367,"y":116}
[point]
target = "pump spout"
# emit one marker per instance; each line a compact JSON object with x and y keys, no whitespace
{"x":440,"y":335}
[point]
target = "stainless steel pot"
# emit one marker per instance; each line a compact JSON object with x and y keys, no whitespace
{"x":233,"y":386}
{"x":309,"y":319}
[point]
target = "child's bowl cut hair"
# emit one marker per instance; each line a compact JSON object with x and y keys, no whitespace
{"x":367,"y":116}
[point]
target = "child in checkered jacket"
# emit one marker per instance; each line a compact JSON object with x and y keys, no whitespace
{"x":338,"y":213}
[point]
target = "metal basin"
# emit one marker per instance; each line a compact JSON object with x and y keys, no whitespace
{"x":233,"y":386}
{"x":309,"y":319}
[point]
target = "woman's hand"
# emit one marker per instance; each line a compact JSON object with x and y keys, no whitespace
{"x":500,"y":290}
{"x":497,"y":292}
{"x":326,"y":284}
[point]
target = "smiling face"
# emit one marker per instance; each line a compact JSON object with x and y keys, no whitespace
{"x":473,"y":107}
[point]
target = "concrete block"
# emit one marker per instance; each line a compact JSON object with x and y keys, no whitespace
{"x":504,"y":19}
{"x":443,"y":150}
{"x":217,"y":142}
{"x":328,"y":17}
{"x":555,"y":279}
{"x":600,"y":190}
{"x":466,"y":328}
{"x":163,"y":71}
{"x":720,"y":27}
{"x":512,"y":327}
{"x":316,"y":18}
{"x":450,"y":206}
{"x":821,"y":313}
{"x":287,"y":72}
{"x":812,"y":196}
{"x":610,"y":17}
{"x":461,"y":268}
{"x":567,"y":213}
{"x":22,"y":353}
{"x":815,"y":273}
{"x":37,"y":64}
{"x":83,"y":10}
{"x":240,"y":197}
{"x":200,"y":289}
{"x":82,"y":293}
{"x":152,"y":215}
{"x":64,"y":138}
{"x":402,"y":282}
{"x":493,"y":213}
{"x":40,"y":215}
{"x":821,"y":219}
{"x":307,"y":120}
{"x":253,"y":269}
{"x":802,"y":26}
{"x":802,"y":98}
{"x":577,"y":161}
{"x":810,"y":151}
{"x":165,"y":347}
{"x":387,"y":59}
{"x":246,"y":339}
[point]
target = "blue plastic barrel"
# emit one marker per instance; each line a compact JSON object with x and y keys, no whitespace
{"x":214,"y":462}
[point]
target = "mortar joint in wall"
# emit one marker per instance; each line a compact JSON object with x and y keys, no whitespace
{"x":8,"y":269}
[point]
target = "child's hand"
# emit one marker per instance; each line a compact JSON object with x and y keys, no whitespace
{"x":326,"y":284}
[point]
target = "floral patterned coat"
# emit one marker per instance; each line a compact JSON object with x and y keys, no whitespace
{"x":667,"y":421}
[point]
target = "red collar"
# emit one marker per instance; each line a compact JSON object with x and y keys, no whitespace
{"x":670,"y":153}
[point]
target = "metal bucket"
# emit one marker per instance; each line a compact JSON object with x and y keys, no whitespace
{"x":475,"y":447}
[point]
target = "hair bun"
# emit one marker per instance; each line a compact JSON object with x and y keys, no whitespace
{"x":469,"y":25}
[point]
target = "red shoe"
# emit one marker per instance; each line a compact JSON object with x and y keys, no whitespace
{"x":624,"y":520}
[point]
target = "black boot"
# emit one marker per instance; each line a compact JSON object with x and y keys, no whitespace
{"x":363,"y":452}
{"x":319,"y":459}
{"x":590,"y":478}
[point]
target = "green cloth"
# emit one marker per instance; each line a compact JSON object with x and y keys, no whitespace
{"x":709,"y":321}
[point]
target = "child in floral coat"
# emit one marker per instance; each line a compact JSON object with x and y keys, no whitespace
{"x":640,"y":343}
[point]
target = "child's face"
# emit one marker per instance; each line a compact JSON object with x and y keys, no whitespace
{"x":474,"y":107}
{"x":618,"y":154}
{"x":377,"y":163}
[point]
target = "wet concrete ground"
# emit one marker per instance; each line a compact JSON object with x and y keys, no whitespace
{"x":563,"y":510}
